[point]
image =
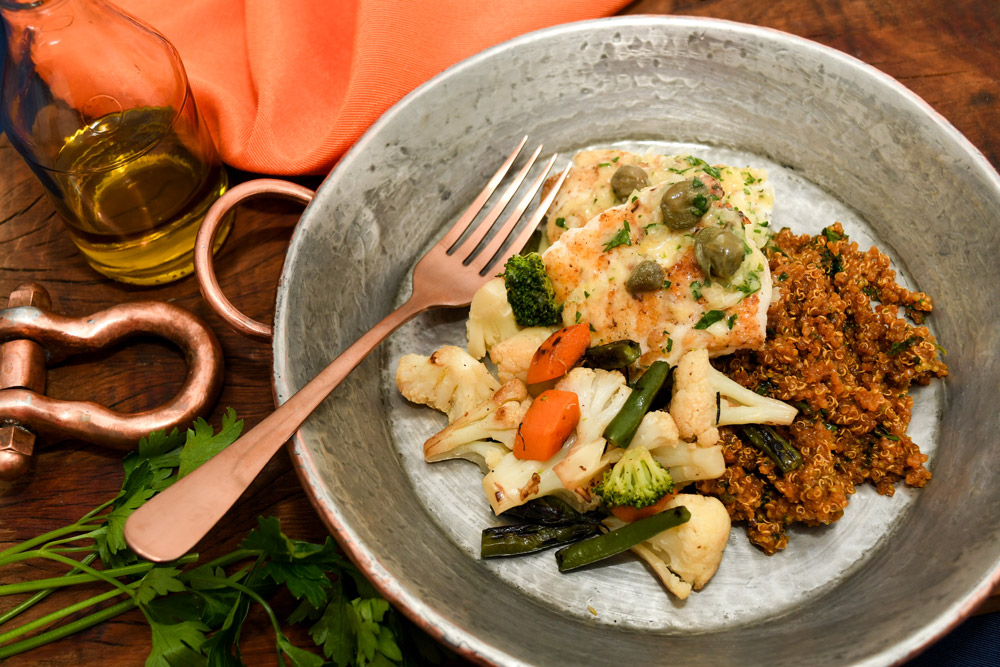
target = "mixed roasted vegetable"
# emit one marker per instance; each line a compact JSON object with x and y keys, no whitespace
{"x":601,"y":406}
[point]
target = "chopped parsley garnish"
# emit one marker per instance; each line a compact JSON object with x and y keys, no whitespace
{"x":604,"y":164}
{"x":561,"y":222}
{"x":704,"y":166}
{"x":616,"y":158}
{"x":896,"y":348}
{"x":670,"y":344}
{"x":666,"y":284}
{"x":699,"y":205}
{"x":883,"y":433}
{"x":578,"y":316}
{"x":709,"y":318}
{"x":832,"y":236}
{"x":622,"y":237}
{"x":696,"y":289}
{"x":731,"y":322}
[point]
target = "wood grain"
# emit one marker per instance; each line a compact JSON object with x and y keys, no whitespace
{"x":948,"y":53}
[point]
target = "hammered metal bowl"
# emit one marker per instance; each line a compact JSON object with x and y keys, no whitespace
{"x":842,"y":142}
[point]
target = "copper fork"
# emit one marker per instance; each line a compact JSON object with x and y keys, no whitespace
{"x":171,"y":524}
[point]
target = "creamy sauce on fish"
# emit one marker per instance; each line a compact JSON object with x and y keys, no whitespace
{"x":591,"y":261}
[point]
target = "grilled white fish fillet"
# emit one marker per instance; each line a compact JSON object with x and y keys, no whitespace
{"x":589,"y":271}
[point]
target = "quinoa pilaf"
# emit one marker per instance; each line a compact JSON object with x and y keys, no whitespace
{"x":837,"y":348}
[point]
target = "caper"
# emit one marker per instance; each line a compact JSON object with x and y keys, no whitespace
{"x":628,"y":178}
{"x":684,"y":204}
{"x":647,"y":277}
{"x":718,"y":251}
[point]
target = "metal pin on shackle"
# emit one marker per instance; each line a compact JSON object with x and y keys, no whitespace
{"x":32,"y":337}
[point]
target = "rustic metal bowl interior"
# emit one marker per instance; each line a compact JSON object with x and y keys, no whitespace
{"x":848,"y":138}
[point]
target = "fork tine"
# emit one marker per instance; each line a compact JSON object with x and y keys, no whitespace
{"x":459,"y":227}
{"x":486,"y":259}
{"x":476,"y":237}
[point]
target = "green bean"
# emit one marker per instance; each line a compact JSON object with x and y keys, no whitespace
{"x":613,"y":356}
{"x":621,"y":429}
{"x":519,"y":539}
{"x":622,"y":539}
{"x":766,"y":439}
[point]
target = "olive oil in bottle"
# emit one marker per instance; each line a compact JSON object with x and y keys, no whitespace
{"x":133,"y":188}
{"x":99,"y":106}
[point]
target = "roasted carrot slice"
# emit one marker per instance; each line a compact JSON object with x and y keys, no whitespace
{"x":628,"y":513}
{"x":548,"y":422}
{"x":559,"y":353}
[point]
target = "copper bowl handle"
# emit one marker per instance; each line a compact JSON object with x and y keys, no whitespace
{"x":203,"y":264}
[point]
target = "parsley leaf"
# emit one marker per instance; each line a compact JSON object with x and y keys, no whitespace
{"x":704,"y":166}
{"x":158,"y":581}
{"x":202,"y":444}
{"x":709,"y":318}
{"x":622,"y":237}
{"x":176,"y":644}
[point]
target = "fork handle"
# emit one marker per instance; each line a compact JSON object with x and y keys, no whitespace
{"x":169,"y":525}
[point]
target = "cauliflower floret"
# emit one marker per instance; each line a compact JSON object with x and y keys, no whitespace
{"x":514,"y":481}
{"x":449,"y":380}
{"x":491,"y":319}
{"x":685,"y":461}
{"x":512,"y":356}
{"x":601,"y":394}
{"x":687,"y":556}
{"x":494,"y":420}
{"x":704,"y":398}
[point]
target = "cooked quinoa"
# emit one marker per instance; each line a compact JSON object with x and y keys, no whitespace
{"x":844,"y":344}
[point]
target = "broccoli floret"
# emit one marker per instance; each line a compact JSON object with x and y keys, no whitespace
{"x":530,"y":292}
{"x":636,"y":480}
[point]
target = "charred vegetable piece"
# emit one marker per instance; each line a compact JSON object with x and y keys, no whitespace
{"x":613,"y":356}
{"x":666,"y":392}
{"x":627,"y":178}
{"x":718,"y":251}
{"x":521,"y":539}
{"x":766,"y":439}
{"x":684,"y":204}
{"x":546,"y":425}
{"x":548,"y":510}
{"x":622,"y":539}
{"x":646,"y":277}
{"x":559,"y":353}
{"x":621,"y":429}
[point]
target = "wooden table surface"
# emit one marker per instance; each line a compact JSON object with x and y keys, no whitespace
{"x":946,"y":52}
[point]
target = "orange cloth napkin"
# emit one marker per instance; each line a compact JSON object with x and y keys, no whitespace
{"x":287,"y":86}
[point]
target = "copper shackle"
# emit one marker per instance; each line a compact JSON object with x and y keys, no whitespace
{"x":31,"y":337}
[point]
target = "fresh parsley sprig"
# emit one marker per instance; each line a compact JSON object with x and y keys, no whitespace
{"x":196,"y":611}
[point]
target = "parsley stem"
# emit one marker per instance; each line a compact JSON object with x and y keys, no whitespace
{"x":70,"y":579}
{"x":248,"y":592}
{"x":40,"y":595}
{"x":48,"y":619}
{"x":97,"y":510}
{"x":75,"y":564}
{"x":73,"y":538}
{"x":78,"y":527}
{"x":66,"y":630}
{"x":228,"y":559}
